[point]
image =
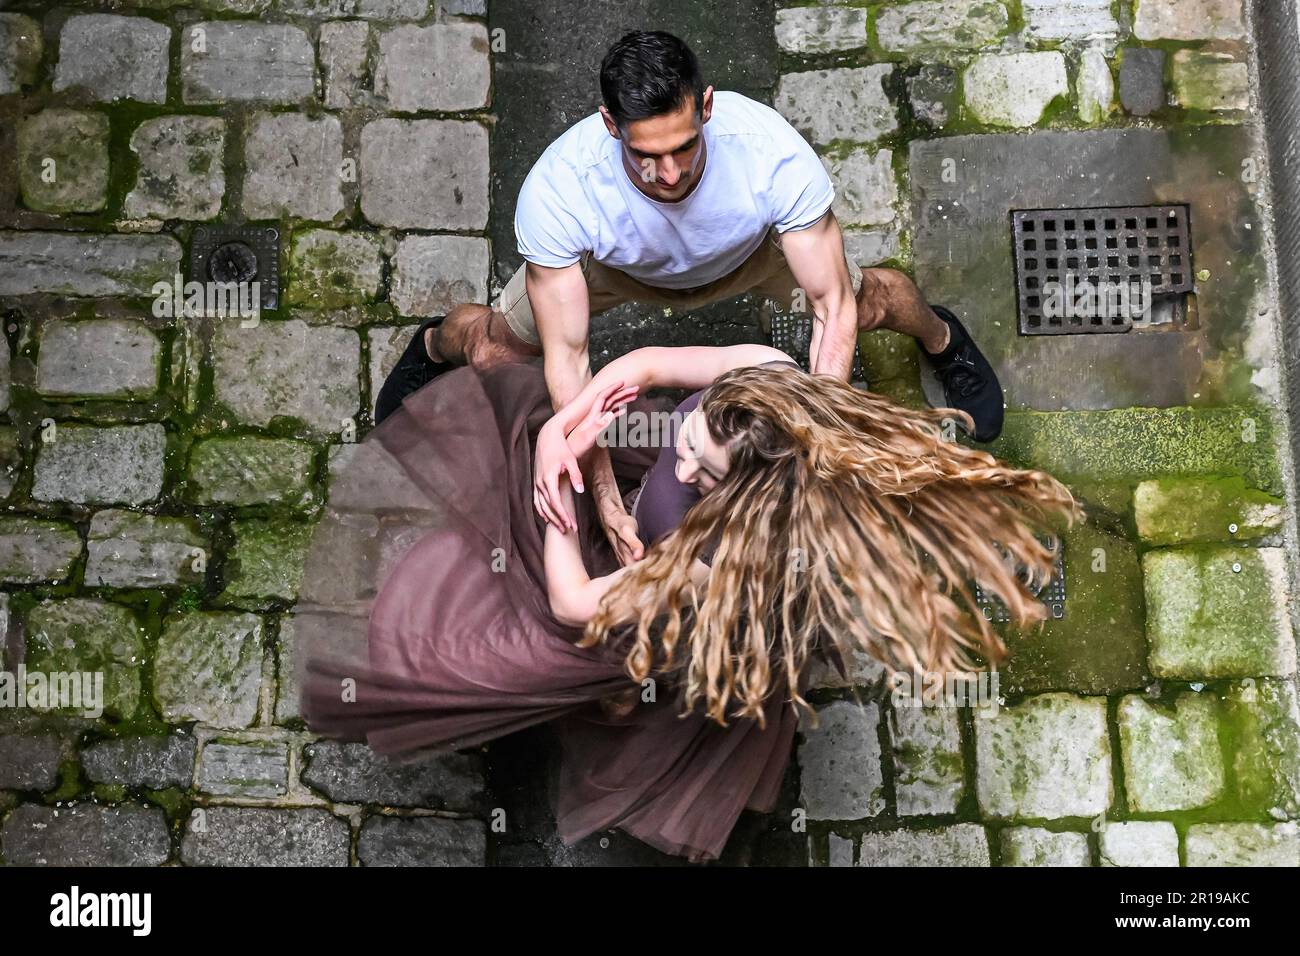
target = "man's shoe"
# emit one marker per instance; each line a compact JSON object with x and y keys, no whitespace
{"x":969,"y":382}
{"x":412,"y":372}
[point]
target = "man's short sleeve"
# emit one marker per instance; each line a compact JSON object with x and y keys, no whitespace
{"x":801,"y":188}
{"x":548,"y":230}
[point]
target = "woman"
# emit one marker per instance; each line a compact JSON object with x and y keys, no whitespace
{"x":788,"y":515}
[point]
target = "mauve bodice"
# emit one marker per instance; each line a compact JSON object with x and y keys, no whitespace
{"x":663,"y":500}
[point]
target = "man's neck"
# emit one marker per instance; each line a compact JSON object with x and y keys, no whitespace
{"x":634,"y":173}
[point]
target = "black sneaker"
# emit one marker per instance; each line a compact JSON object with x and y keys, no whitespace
{"x":412,"y":372}
{"x":969,"y":382}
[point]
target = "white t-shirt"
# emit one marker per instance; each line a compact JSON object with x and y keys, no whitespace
{"x":758,"y":173}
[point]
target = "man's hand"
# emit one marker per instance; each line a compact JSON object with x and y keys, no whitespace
{"x":621,"y":529}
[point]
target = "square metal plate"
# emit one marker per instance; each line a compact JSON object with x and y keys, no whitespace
{"x":224,"y":253}
{"x":1059,"y":253}
{"x":792,"y":334}
{"x":1052,"y":594}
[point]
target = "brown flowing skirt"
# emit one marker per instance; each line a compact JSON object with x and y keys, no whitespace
{"x":424,"y":626}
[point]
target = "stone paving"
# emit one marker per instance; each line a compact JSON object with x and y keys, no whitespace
{"x":162,"y":474}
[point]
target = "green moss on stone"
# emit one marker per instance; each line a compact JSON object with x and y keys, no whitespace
{"x":1171,"y":511}
{"x":1218,"y":612}
{"x":1099,"y":646}
{"x":1141,"y":443}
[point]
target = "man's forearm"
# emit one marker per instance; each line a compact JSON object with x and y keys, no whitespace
{"x":835,"y":324}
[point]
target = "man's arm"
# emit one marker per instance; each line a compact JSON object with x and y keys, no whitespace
{"x":561,"y":310}
{"x":816,"y":257}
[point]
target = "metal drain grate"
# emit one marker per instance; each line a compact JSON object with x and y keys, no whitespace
{"x":1052,"y":593}
{"x":792,"y":334}
{"x":1097,"y":270}
{"x":238,"y":254}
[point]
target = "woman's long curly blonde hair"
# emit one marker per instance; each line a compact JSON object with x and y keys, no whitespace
{"x":843,"y":518}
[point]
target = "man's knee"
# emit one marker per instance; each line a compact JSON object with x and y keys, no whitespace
{"x":882,"y":291}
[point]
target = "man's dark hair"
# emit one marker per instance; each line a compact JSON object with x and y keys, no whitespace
{"x":649,"y":73}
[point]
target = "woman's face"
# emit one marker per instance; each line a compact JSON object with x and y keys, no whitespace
{"x":701,"y":461}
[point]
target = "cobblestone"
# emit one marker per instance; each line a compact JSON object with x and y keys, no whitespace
{"x":98,"y":358}
{"x":130,"y":550}
{"x":108,"y":57}
{"x":840,"y":764}
{"x":424,"y":174}
{"x":89,"y":465}
{"x":247,"y":836}
{"x":85,"y":835}
{"x":422,"y":841}
{"x":247,"y":62}
{"x":209,"y":668}
{"x":63,"y":160}
{"x":181,"y":174}
{"x":354,"y":773}
{"x":844,"y":104}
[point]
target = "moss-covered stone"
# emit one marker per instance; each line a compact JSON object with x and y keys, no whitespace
{"x":86,"y":636}
{"x":1219,"y":612}
{"x":1144,"y":443}
{"x":1047,"y":757}
{"x":1205,"y":80}
{"x":1264,"y":745}
{"x":36,"y":551}
{"x":209,"y":668}
{"x":330,"y":270}
{"x":1172,"y":511}
{"x":1172,"y":759}
{"x":251,"y":470}
{"x":267,"y":560}
{"x":63,"y":160}
{"x":1099,"y":646}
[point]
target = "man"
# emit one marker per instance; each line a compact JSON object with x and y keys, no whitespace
{"x":678,"y":195}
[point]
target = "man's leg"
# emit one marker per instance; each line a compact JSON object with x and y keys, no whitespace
{"x":890,"y":300}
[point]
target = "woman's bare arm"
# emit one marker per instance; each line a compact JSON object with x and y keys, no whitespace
{"x":692,"y":367}
{"x":573,"y":593}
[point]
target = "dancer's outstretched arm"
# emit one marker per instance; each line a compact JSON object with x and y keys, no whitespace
{"x":573,"y":593}
{"x":692,"y":367}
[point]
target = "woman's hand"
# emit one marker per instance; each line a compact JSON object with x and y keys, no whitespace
{"x":557,"y":455}
{"x":610,"y":402}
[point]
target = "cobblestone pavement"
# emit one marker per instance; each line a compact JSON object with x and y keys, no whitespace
{"x":161,"y":475}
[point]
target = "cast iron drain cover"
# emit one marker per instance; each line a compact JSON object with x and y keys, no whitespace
{"x":1051,"y":594}
{"x":1096,"y":270}
{"x":238,"y":254}
{"x":792,"y":334}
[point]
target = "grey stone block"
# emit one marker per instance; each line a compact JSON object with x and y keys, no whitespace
{"x":444,"y":67}
{"x":85,"y":264}
{"x":63,"y":160}
{"x":130,"y":550}
{"x":294,"y":167}
{"x":182,"y":173}
{"x":246,"y":836}
{"x":288,"y":369}
{"x":90,"y":465}
{"x":109,"y":57}
{"x":353,"y":773}
{"x":839,"y":763}
{"x":425,"y":174}
{"x":154,"y":763}
{"x":85,"y":835}
{"x":244,"y":769}
{"x":28,"y":762}
{"x":98,"y":358}
{"x":422,"y":841}
{"x":36,"y":551}
{"x":241,"y":61}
